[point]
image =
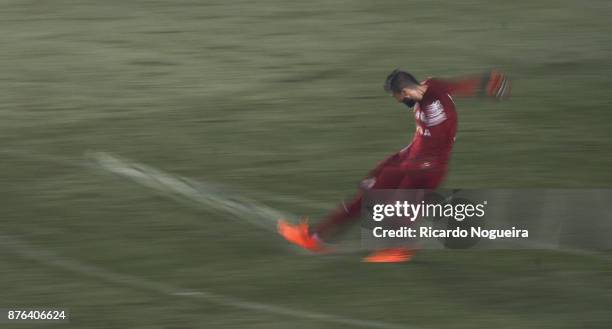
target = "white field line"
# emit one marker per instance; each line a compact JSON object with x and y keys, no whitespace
{"x":198,"y":194}
{"x":207,"y":195}
{"x":87,"y":163}
{"x":50,"y":259}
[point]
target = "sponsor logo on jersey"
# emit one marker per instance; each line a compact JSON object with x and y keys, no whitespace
{"x":433,"y":115}
{"x":422,"y":131}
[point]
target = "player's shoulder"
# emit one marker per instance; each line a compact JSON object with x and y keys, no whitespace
{"x":436,"y":97}
{"x":435,"y":89}
{"x":434,"y":83}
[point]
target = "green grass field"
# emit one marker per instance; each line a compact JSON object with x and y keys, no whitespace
{"x":280,"y":98}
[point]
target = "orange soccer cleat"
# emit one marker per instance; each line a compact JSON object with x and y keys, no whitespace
{"x":390,"y":255}
{"x":299,"y":235}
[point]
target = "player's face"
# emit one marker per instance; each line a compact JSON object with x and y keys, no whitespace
{"x":415,"y":94}
{"x":399,"y":97}
{"x":409,"y":96}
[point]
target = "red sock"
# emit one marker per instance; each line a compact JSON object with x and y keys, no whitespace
{"x":388,"y":177}
{"x":342,"y":215}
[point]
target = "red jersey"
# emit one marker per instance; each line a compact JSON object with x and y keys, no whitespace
{"x":436,"y":124}
{"x":436,"y":119}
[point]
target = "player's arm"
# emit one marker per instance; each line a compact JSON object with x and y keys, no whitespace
{"x":491,"y":84}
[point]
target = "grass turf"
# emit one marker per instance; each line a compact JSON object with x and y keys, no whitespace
{"x":286,"y":97}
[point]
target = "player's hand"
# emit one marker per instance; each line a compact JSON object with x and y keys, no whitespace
{"x":498,"y":85}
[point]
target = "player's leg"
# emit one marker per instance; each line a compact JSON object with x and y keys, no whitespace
{"x":416,"y":178}
{"x":388,"y":177}
{"x":419,"y":181}
{"x":347,"y":213}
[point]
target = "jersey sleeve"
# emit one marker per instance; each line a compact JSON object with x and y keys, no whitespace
{"x":465,"y":87}
{"x":493,"y":84}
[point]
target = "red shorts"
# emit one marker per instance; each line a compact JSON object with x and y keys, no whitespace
{"x":395,"y":173}
{"x":408,"y":174}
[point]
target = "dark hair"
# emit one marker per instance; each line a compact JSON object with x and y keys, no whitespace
{"x":398,"y":80}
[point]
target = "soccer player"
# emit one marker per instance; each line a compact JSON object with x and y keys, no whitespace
{"x":420,"y":165}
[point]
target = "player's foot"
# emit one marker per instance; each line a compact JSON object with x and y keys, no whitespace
{"x":299,"y":235}
{"x":390,"y":255}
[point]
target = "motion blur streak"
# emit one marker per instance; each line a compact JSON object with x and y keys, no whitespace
{"x":203,"y":194}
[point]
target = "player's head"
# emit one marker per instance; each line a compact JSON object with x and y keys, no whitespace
{"x":404,"y":87}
